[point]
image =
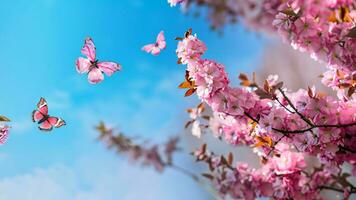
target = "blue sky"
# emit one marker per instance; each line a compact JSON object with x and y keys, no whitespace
{"x":39,"y":42}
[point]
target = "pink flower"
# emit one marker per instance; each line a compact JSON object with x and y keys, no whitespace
{"x":190,"y":49}
{"x":275,"y":119}
{"x":152,"y":157}
{"x":305,"y":26}
{"x":288,"y":163}
{"x":305,"y":142}
{"x":243,"y":115}
{"x":215,"y":125}
{"x":195,"y":113}
{"x":4,"y":133}
{"x":210,"y":78}
{"x":272,"y":80}
{"x":196,"y":130}
{"x":175,"y":2}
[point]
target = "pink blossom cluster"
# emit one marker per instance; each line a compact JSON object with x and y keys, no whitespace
{"x":325,"y":29}
{"x":237,"y":106}
{"x":4,"y":129}
{"x":267,"y":116}
{"x":4,"y":133}
{"x":282,"y":177}
{"x":157,"y":156}
{"x":175,"y":2}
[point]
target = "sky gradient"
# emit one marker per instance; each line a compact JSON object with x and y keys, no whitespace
{"x":39,"y":42}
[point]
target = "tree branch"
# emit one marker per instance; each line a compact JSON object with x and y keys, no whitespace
{"x":295,"y":109}
{"x":183,"y":170}
{"x":285,"y":107}
{"x":347,"y":149}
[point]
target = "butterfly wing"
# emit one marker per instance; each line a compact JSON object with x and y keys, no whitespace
{"x":51,"y":122}
{"x":82,"y":65}
{"x":42,"y":106}
{"x":156,"y":48}
{"x":40,"y":113}
{"x":89,"y":49}
{"x":151,"y":48}
{"x":37,"y":116}
{"x":109,"y":67}
{"x":161,"y":41}
{"x":45,"y":126}
{"x":155,"y":51}
{"x":42,"y":110}
{"x":60,"y":123}
{"x":148,"y":48}
{"x":56,"y":122}
{"x":95,"y":76}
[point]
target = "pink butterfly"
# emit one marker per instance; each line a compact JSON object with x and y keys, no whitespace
{"x":91,"y":66}
{"x":46,"y":122}
{"x":157,"y":47}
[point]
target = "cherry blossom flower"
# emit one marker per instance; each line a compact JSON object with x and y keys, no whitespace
{"x":4,"y":133}
{"x":175,"y":2}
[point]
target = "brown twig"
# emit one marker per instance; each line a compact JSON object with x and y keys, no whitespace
{"x":307,"y":129}
{"x":347,"y":149}
{"x":183,"y":170}
{"x":285,"y":107}
{"x":325,"y":187}
{"x":275,"y":144}
{"x":295,"y":109}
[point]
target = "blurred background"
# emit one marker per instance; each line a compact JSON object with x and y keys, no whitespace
{"x":39,"y":42}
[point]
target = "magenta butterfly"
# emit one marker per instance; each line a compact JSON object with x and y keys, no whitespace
{"x":157,"y":47}
{"x":45,"y":121}
{"x":91,"y":65}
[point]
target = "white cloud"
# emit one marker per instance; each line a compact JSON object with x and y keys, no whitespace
{"x":54,"y":183}
{"x":101,"y":176}
{"x":59,"y":100}
{"x":97,"y":177}
{"x":21,"y":126}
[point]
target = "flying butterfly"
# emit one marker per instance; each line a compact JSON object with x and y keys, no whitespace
{"x":45,"y":121}
{"x":157,"y":47}
{"x":92,"y":66}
